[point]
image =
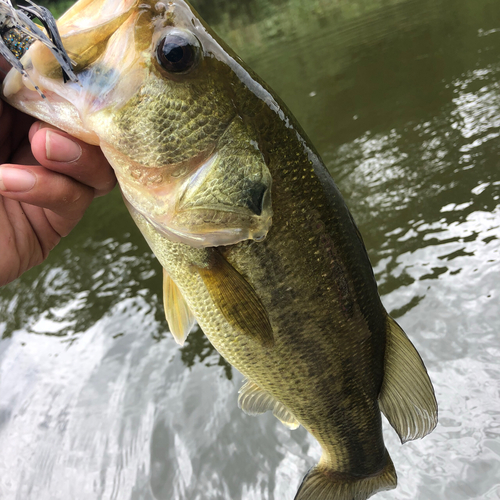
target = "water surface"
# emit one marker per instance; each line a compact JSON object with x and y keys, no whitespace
{"x":402,"y":100}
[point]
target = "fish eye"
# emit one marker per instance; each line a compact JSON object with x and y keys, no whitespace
{"x":178,"y":51}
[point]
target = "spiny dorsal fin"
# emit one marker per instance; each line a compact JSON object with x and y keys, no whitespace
{"x":237,"y":300}
{"x":253,"y":401}
{"x":407,"y":397}
{"x":179,"y":316}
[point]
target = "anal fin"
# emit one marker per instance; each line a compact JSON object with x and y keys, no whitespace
{"x":179,"y":317}
{"x":237,"y":300}
{"x":254,"y":401}
{"x":407,"y":397}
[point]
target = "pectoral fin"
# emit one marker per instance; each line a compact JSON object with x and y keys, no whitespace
{"x":237,"y":300}
{"x":253,"y":401}
{"x":179,"y":316}
{"x":407,"y":397}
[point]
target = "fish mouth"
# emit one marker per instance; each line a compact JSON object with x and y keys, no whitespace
{"x":90,"y":32}
{"x":55,"y":109}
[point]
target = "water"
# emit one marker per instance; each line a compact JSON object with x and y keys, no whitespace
{"x":402,"y":99}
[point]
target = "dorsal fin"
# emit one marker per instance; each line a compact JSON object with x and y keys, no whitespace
{"x":407,"y":397}
{"x":253,"y":401}
{"x":237,"y":300}
{"x":179,"y":317}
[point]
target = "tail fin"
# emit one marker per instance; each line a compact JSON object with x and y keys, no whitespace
{"x":320,"y":483}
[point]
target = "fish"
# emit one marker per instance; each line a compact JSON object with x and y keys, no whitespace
{"x":255,"y":240}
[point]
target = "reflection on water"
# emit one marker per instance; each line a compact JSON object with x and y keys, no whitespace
{"x":403,"y":102}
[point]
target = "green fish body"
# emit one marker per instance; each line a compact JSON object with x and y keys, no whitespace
{"x":256,"y":242}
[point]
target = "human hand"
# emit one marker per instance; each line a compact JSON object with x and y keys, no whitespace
{"x":47,"y":181}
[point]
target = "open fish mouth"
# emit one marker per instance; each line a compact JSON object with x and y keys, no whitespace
{"x":18,"y":32}
{"x":49,"y":82}
{"x":80,"y":40}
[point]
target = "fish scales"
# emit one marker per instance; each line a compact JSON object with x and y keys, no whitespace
{"x":255,"y":240}
{"x":174,"y":129}
{"x":305,"y":327}
{"x":319,"y":315}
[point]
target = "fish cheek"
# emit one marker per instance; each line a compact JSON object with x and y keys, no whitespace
{"x":167,"y":122}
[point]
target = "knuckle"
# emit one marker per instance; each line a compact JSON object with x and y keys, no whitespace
{"x":75,"y":201}
{"x":105,"y":187}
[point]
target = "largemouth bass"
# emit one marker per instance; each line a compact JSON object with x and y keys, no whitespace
{"x":255,"y":240}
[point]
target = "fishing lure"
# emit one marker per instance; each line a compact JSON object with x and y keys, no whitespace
{"x":18,"y":32}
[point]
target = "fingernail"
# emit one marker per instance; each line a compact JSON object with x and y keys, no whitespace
{"x":16,"y":179}
{"x":59,"y":148}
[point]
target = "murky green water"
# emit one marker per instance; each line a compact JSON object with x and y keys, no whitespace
{"x":402,"y":99}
